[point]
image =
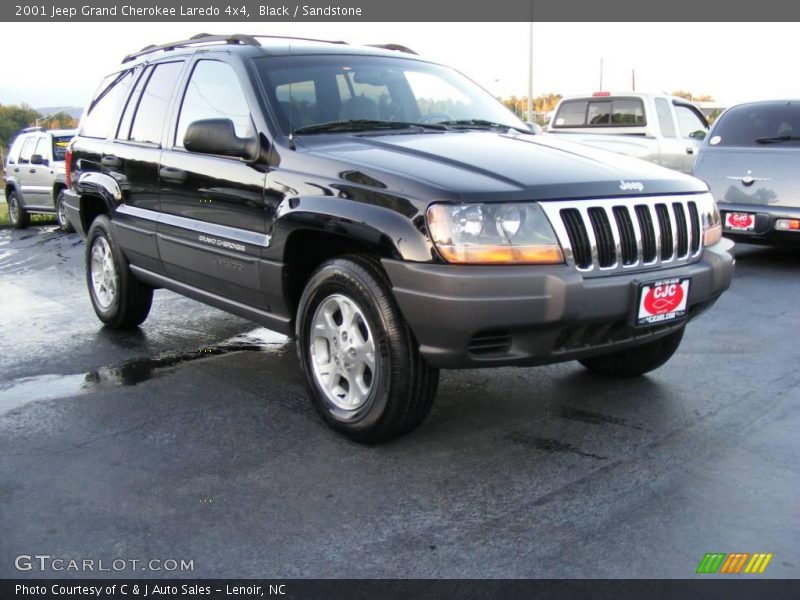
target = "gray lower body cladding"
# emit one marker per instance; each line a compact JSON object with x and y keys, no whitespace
{"x":470,"y":316}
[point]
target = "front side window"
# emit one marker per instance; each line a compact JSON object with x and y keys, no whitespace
{"x":97,"y":122}
{"x":688,"y":121}
{"x":42,"y":148}
{"x":148,"y":122}
{"x":214,"y":93}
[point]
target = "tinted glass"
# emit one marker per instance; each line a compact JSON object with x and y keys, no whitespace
{"x":97,"y":122}
{"x":124,"y":130}
{"x":743,"y":125}
{"x":664,"y":118}
{"x":214,"y":93}
{"x":572,"y":114}
{"x":60,"y":145}
{"x":599,"y":113}
{"x":347,"y":87}
{"x":627,"y":112}
{"x":154,"y":103}
{"x":688,"y":121}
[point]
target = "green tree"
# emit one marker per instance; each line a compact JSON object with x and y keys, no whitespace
{"x":14,"y":117}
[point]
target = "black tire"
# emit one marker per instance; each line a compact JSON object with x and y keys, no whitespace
{"x":403,"y":385}
{"x":61,"y":214}
{"x":130,"y":303}
{"x":17,"y":216}
{"x":638,"y":360}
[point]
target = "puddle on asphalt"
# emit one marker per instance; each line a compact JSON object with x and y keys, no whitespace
{"x":46,"y":387}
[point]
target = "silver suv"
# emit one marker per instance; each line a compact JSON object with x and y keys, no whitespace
{"x":34,"y":174}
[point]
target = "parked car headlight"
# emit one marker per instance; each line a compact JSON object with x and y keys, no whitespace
{"x":710,"y":220}
{"x":490,"y":234}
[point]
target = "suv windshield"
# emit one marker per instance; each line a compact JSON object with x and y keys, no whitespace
{"x":774,"y":123}
{"x":312,"y":91}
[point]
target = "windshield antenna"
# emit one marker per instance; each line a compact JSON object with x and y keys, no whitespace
{"x":291,"y":99}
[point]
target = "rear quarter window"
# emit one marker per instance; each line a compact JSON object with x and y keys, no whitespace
{"x":746,"y":125}
{"x":99,"y":117}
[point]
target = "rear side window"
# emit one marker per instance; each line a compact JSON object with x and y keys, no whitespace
{"x":773,"y":124}
{"x":603,"y":112}
{"x":148,"y":123}
{"x":27,"y":151}
{"x":60,"y":145}
{"x":97,"y":122}
{"x":664,"y":118}
{"x":214,"y":93}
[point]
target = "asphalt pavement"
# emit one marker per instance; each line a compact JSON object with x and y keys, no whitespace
{"x":192,"y":439}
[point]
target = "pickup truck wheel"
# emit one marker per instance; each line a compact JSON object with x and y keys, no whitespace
{"x":635,"y":361}
{"x":17,"y":216}
{"x":361,"y":363}
{"x":61,"y":214}
{"x":120,"y":300}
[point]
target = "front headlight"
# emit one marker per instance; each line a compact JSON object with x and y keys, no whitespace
{"x":491,"y":234}
{"x":710,"y":220}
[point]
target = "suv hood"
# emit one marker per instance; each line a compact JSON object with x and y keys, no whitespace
{"x":502,"y":166}
{"x":759,"y":176}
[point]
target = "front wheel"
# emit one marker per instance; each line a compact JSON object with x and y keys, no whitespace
{"x":638,"y":360}
{"x":61,"y":214}
{"x":17,"y":216}
{"x":119,"y":299}
{"x":362,"y":365}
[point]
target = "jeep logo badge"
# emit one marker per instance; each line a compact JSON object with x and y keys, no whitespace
{"x":631,"y":185}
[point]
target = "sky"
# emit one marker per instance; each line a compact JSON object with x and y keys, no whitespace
{"x":60,"y":64}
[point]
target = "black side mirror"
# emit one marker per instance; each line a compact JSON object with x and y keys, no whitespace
{"x":38,"y":159}
{"x":218,"y":136}
{"x":698,"y":135}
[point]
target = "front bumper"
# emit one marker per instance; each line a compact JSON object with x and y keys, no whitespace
{"x":764,"y":231}
{"x":471,"y":316}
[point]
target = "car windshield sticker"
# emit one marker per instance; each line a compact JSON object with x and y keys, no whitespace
{"x":715,"y":140}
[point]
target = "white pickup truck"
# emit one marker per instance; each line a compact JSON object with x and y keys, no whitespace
{"x":656,"y":127}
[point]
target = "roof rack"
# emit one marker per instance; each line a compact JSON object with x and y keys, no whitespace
{"x":396,"y":47}
{"x":200,"y":38}
{"x":31,"y":129}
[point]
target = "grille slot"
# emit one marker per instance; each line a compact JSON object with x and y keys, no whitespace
{"x":683,"y":230}
{"x":630,"y":249}
{"x":694,"y":218}
{"x":602,"y":237}
{"x":606,"y":247}
{"x":490,"y":342}
{"x":648,"y":233}
{"x":578,"y":238}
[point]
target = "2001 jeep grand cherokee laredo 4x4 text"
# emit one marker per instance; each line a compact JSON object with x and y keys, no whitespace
{"x":388,"y":213}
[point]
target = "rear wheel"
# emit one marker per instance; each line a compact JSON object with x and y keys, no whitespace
{"x":17,"y":216}
{"x":362,"y":365}
{"x":61,"y":214}
{"x":119,"y":299}
{"x":638,"y":360}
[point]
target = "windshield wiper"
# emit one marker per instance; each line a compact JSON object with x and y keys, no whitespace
{"x":365,"y":125}
{"x":778,"y":139}
{"x":479,"y":124}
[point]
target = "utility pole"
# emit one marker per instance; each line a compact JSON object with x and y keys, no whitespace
{"x":601,"y":74}
{"x":633,"y":79}
{"x":530,"y":71}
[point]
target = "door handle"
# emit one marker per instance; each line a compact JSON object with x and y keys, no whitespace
{"x":173,"y":175}
{"x":16,"y":169}
{"x":112,"y":162}
{"x":31,"y":170}
{"x":689,"y":150}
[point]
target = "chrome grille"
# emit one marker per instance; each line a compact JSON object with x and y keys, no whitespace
{"x":603,"y":237}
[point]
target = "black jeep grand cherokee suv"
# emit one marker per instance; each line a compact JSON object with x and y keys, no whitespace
{"x":388,"y":213}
